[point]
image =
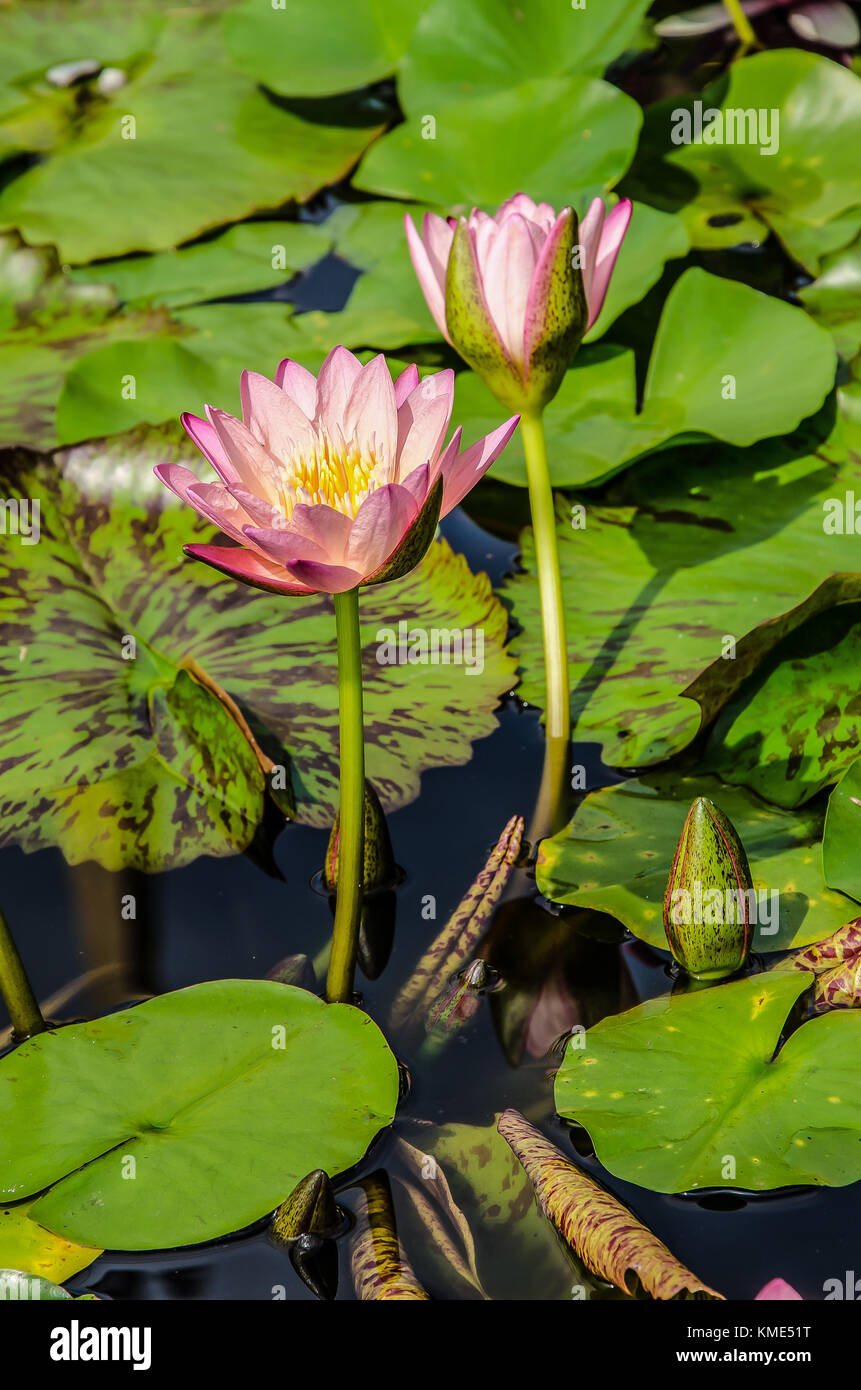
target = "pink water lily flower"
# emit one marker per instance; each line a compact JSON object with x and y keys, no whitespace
{"x":323,"y":479}
{"x":513,"y":252}
{"x":777,"y":1290}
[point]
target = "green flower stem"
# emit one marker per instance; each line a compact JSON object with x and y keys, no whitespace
{"x":348,"y":902}
{"x":740,"y":22}
{"x":18,"y":997}
{"x":557,"y":709}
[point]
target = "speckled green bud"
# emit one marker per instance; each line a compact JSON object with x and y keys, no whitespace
{"x":709,"y":898}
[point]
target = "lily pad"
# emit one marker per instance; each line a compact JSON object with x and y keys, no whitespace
{"x":686,"y":1093}
{"x":132,"y":760}
{"x":809,"y":181}
{"x":729,"y":383}
{"x":834,"y":299}
{"x":204,"y":1109}
{"x":675,"y":598}
{"x":334,"y":46}
{"x":187,"y":144}
{"x":798,"y":726}
{"x":841,"y":847}
{"x":478,"y":47}
{"x":566,"y":140}
{"x":30,"y":1248}
{"x":617,"y":852}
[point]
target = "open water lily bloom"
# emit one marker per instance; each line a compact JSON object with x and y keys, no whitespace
{"x":323,"y":479}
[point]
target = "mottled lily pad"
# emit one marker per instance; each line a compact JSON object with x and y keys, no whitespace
{"x":204,"y":1109}
{"x":131,"y":760}
{"x":617,"y":852}
{"x":30,"y":1248}
{"x":685,"y":1093}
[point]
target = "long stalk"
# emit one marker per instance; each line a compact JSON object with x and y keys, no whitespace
{"x":18,"y":997}
{"x":348,"y":902}
{"x":557,"y":709}
{"x":740,"y":22}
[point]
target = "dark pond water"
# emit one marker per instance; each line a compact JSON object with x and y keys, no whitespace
{"x":227,"y":918}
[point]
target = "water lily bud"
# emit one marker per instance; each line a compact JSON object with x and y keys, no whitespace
{"x":379,"y":860}
{"x":707,"y":904}
{"x":309,"y":1210}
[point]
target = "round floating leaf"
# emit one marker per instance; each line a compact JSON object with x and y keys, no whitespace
{"x":673,"y":1088}
{"x":566,"y":140}
{"x":224,"y":1095}
{"x":332,"y":46}
{"x":841,"y":848}
{"x":187,"y":144}
{"x":725,"y":353}
{"x":30,"y":1248}
{"x":617,"y":852}
{"x":251,"y":257}
{"x":807,"y":110}
{"x":478,"y":47}
{"x":121,"y":752}
{"x":676,"y":598}
{"x":799,"y":725}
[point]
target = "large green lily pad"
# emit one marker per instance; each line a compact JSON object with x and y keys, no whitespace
{"x":841,"y":847}
{"x":566,"y":140}
{"x":676,"y":594}
{"x":807,"y":192}
{"x":753,"y":343}
{"x":30,"y":1248}
{"x":683,"y":1093}
{"x":204,"y":1109}
{"x":134,"y":761}
{"x":796,"y":725}
{"x":617,"y":852}
{"x":207,"y":145}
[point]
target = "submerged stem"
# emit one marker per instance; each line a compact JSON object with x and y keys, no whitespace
{"x":20,"y":1001}
{"x":557,"y":708}
{"x":348,"y":901}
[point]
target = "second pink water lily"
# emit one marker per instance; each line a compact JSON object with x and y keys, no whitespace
{"x":322,"y":481}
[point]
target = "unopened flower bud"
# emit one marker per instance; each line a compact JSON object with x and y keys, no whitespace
{"x":707,"y":905}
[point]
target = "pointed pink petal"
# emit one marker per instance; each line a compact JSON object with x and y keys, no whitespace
{"x":334,"y":384}
{"x":177,"y":478}
{"x":283,"y":547}
{"x":423,"y":420}
{"x":371,"y":416}
{"x":418,"y":483}
{"x":213,"y":501}
{"x":465,"y":471}
{"x":432,"y":284}
{"x":507,"y":275}
{"x":379,"y":526}
{"x":521,"y":205}
{"x":324,"y":579}
{"x":254,"y":466}
{"x":261,"y":512}
{"x":248,"y":566}
{"x":299,"y":384}
{"x":590,"y":239}
{"x":775,"y":1290}
{"x":272,"y":416}
{"x":612,"y":236}
{"x":329,"y":529}
{"x":202,"y":433}
{"x":405,"y":383}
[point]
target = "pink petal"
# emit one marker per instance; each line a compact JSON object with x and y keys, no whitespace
{"x":249,"y":567}
{"x":612,"y":236}
{"x":590,"y":239}
{"x":334,"y":384}
{"x":506,"y":276}
{"x":432,"y":283}
{"x":253,"y":465}
{"x":777,"y":1289}
{"x":212,"y":501}
{"x":423,"y":420}
{"x":379,"y":526}
{"x":827,"y":22}
{"x":299,"y":384}
{"x":273,"y":417}
{"x":405,"y":383}
{"x":463,"y":472}
{"x":371,"y":416}
{"x":329,"y":529}
{"x":283,"y":547}
{"x":324,"y":579}
{"x":202,"y":433}
{"x":521,"y":205}
{"x":418,"y":483}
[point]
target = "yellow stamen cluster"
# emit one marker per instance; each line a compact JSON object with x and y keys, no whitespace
{"x":333,"y":472}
